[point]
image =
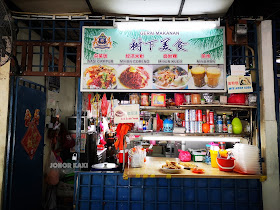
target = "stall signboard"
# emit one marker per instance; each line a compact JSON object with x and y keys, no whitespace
{"x":239,"y":84}
{"x":140,"y":60}
{"x":127,"y":113}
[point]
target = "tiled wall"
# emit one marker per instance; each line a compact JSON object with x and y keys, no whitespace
{"x":111,"y":191}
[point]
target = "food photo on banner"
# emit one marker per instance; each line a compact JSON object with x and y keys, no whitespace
{"x":153,"y":60}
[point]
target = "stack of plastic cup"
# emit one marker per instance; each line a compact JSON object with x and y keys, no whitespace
{"x":246,"y":159}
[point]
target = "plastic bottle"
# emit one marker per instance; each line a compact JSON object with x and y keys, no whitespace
{"x":229,"y":125}
{"x":144,"y":125}
{"x":224,"y":123}
{"x":220,"y":124}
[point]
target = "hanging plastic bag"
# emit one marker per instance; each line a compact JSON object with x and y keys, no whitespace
{"x":104,"y":105}
{"x":53,"y":171}
{"x":184,"y":156}
{"x":137,"y":157}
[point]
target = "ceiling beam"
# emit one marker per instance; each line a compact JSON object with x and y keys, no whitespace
{"x":181,"y":8}
{"x":91,"y":8}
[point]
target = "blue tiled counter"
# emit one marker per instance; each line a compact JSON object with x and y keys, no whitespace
{"x":96,"y":191}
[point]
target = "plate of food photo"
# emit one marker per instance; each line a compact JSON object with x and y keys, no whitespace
{"x":133,"y":77}
{"x":170,"y":77}
{"x":100,"y":77}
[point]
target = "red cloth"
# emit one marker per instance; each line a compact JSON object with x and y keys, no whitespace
{"x":159,"y":123}
{"x":104,"y":105}
{"x":89,"y":103}
{"x":122,"y":130}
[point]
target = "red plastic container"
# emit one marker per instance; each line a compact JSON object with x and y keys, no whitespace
{"x":120,"y":156}
{"x":239,"y":98}
{"x":100,"y":147}
{"x":179,"y":98}
{"x":226,"y":164}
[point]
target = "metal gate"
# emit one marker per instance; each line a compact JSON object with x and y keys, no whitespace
{"x":24,"y":160}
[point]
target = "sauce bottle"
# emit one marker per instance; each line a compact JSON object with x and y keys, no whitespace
{"x":225,"y":130}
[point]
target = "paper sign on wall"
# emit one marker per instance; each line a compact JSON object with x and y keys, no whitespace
{"x":238,"y":70}
{"x":239,"y":84}
{"x":127,"y":113}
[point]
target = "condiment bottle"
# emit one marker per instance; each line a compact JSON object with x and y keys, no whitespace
{"x":195,"y":98}
{"x":188,"y":98}
{"x":144,"y":125}
{"x":224,"y":123}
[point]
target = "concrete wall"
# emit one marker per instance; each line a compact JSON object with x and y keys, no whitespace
{"x":271,"y":193}
{"x":4,"y":100}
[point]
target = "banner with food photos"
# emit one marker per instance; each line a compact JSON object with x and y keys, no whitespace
{"x":153,"y":61}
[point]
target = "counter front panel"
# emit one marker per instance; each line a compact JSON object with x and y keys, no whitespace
{"x":110,"y":191}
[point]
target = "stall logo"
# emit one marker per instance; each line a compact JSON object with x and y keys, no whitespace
{"x":102,"y":42}
{"x":69,"y":165}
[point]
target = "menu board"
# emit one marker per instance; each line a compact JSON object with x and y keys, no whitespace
{"x":127,"y":113}
{"x":239,"y":84}
{"x":153,"y":61}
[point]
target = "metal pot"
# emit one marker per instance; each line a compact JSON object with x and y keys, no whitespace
{"x":105,"y":165}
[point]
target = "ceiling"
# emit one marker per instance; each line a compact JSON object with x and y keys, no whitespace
{"x":268,"y":9}
{"x":125,"y":7}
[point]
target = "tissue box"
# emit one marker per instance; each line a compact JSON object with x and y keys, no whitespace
{"x":198,"y":155}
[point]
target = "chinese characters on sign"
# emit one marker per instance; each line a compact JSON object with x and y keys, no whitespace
{"x":126,"y":114}
{"x":239,"y":84}
{"x":187,"y":47}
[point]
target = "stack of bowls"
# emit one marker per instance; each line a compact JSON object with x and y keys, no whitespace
{"x":246,"y":159}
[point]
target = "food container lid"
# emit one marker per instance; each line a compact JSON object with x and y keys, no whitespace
{"x":145,"y":94}
{"x":214,"y":148}
{"x":168,"y":121}
{"x":213,"y":144}
{"x":104,"y":166}
{"x":198,"y":153}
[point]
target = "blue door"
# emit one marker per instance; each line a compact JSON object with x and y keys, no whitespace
{"x":26,"y":171}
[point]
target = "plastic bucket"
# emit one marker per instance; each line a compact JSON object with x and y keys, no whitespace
{"x":214,"y":155}
{"x":120,"y":156}
{"x":225,"y":164}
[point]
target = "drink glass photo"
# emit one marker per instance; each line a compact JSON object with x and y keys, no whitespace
{"x":198,"y":74}
{"x":213,"y":76}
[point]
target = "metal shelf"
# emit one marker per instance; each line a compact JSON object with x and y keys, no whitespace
{"x":163,"y":136}
{"x":196,"y":106}
{"x":148,"y":133}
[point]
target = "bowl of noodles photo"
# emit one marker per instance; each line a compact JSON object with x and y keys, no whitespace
{"x":170,"y":77}
{"x":100,"y":77}
{"x":134,"y":77}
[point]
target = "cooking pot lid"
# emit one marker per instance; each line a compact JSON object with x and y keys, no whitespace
{"x":104,"y":165}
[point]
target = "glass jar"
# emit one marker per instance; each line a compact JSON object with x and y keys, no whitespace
{"x":134,"y":98}
{"x":195,"y":98}
{"x":188,"y":98}
{"x":145,"y":99}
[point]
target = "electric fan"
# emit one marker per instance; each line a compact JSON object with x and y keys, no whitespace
{"x":6,"y":34}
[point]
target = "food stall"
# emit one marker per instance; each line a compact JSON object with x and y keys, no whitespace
{"x":183,"y":124}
